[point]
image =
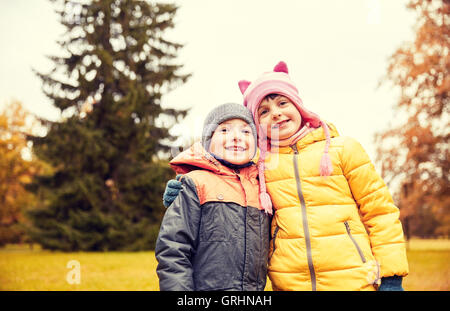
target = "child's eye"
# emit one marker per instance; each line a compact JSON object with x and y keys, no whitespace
{"x":263,"y":112}
{"x":283,"y":103}
{"x":246,"y":131}
{"x":224,"y":130}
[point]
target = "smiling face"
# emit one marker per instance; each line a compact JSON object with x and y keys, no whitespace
{"x":233,"y":141}
{"x":278,"y":117}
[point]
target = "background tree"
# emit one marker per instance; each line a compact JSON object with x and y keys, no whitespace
{"x":414,"y":154}
{"x":106,"y":188}
{"x":17,"y":167}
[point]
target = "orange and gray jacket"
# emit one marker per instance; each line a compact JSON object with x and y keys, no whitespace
{"x":214,"y":236}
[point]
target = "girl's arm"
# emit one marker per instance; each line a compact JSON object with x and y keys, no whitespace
{"x":177,"y":238}
{"x":378,"y":211}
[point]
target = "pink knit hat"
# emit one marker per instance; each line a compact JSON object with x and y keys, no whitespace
{"x":279,"y":82}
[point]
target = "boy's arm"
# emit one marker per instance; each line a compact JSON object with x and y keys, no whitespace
{"x":177,"y":240}
{"x":378,"y":212}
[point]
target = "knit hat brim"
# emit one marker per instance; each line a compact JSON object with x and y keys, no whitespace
{"x":276,"y":83}
{"x":224,"y":113}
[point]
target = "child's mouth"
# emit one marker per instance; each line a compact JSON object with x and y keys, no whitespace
{"x":235,"y":148}
{"x":280,"y":124}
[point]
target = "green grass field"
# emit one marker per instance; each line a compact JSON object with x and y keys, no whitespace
{"x":25,"y":269}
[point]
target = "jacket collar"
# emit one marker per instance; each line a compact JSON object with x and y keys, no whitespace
{"x":316,"y":135}
{"x":196,"y":157}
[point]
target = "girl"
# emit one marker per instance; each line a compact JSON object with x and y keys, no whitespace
{"x":335,"y":225}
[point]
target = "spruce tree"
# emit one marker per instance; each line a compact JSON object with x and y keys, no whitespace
{"x":106,"y":187}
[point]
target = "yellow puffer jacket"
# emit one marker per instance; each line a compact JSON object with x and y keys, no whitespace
{"x":340,"y":232}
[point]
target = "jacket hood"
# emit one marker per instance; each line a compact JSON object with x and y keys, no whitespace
{"x":317,"y":135}
{"x":196,"y":157}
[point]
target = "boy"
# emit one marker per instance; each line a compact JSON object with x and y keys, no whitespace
{"x":214,"y":236}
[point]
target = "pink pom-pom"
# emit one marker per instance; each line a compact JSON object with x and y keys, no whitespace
{"x":266,"y":202}
{"x":326,"y":168}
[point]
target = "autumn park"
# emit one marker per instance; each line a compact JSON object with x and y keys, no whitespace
{"x":81,"y":195}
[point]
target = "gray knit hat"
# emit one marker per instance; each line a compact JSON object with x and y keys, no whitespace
{"x":223,"y":113}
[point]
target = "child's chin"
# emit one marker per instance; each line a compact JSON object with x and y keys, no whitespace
{"x":238,"y":160}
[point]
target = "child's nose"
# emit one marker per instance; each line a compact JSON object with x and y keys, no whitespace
{"x":276,"y":113}
{"x":236,"y":135}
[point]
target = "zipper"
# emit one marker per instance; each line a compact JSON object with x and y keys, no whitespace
{"x":347,"y":227}
{"x":304,"y":220}
{"x":236,"y":172}
{"x":245,"y":248}
{"x":275,"y":232}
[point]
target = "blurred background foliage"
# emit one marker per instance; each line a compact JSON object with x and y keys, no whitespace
{"x":108,"y":154}
{"x":93,"y":181}
{"x":414,"y":152}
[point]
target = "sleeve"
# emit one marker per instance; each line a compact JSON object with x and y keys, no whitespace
{"x":177,"y":238}
{"x":377,"y":209}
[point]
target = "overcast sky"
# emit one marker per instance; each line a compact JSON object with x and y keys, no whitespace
{"x":336,"y":52}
